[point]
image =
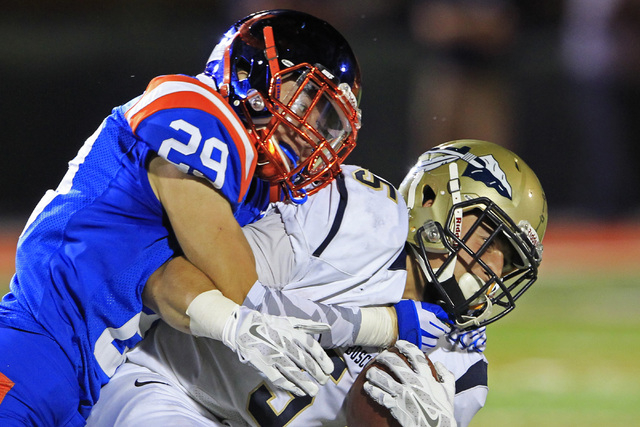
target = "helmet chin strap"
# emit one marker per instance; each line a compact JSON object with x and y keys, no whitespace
{"x":469,"y":284}
{"x":298,"y":200}
{"x":466,"y":284}
{"x":476,"y":320}
{"x":446,"y":274}
{"x":289,"y":153}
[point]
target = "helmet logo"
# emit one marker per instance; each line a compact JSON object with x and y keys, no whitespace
{"x":532,"y":235}
{"x":485,"y":169}
{"x":457,"y":226}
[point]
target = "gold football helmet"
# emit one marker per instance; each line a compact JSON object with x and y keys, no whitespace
{"x":468,"y":176}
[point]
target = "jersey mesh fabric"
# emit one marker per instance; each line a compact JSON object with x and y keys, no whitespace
{"x":81,"y":263}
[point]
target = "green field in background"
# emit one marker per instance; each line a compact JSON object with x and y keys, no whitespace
{"x":4,"y":283}
{"x":567,"y":356}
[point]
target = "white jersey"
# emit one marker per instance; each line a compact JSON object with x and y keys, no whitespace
{"x":343,"y":246}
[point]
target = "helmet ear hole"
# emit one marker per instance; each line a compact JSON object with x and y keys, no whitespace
{"x":428,"y":196}
{"x":243,"y":68}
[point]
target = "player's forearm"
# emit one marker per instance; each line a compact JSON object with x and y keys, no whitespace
{"x":172,"y":288}
{"x":171,"y":291}
{"x":219,"y":249}
{"x":370,"y":326}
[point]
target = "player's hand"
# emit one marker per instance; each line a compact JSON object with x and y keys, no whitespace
{"x":473,"y":340}
{"x":282,"y":348}
{"x":421,"y":323}
{"x":417,"y":399}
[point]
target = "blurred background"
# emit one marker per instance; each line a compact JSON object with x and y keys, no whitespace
{"x":557,"y":81}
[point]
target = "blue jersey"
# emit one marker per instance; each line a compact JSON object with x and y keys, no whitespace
{"x":90,"y":245}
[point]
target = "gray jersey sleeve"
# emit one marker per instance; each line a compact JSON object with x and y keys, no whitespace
{"x":344,"y":321}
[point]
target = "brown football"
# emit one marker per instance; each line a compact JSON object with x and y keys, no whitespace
{"x":362,"y":410}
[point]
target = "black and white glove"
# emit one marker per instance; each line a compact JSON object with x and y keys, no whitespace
{"x":282,"y":348}
{"x":417,"y":399}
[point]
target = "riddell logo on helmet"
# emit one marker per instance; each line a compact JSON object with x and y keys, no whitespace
{"x":529,"y":231}
{"x":457,"y":226}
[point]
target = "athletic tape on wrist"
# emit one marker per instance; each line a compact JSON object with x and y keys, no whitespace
{"x":208,"y":314}
{"x":379,"y":327}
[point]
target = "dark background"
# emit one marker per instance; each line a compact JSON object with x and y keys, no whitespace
{"x":65,"y":64}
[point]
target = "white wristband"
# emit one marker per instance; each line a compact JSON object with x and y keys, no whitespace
{"x":209,"y":313}
{"x":379,"y":327}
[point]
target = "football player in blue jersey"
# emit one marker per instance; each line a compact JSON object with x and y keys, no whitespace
{"x":177,"y":171}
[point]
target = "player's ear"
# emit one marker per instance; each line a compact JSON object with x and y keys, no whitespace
{"x":428,"y":196}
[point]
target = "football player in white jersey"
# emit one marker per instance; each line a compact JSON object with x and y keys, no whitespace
{"x":346,"y":247}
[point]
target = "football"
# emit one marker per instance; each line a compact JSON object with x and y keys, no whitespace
{"x":362,"y":410}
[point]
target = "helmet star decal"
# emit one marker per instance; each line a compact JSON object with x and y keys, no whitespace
{"x":485,"y":169}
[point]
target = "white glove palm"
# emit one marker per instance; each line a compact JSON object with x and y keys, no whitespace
{"x":281,"y":348}
{"x":417,"y":399}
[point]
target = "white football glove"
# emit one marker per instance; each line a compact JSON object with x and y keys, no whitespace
{"x":473,"y":341}
{"x":281,"y":348}
{"x":417,"y":399}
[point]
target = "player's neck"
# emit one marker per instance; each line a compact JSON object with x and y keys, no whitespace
{"x":414,"y":289}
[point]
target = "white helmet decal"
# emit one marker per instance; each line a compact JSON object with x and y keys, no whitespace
{"x":485,"y":169}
